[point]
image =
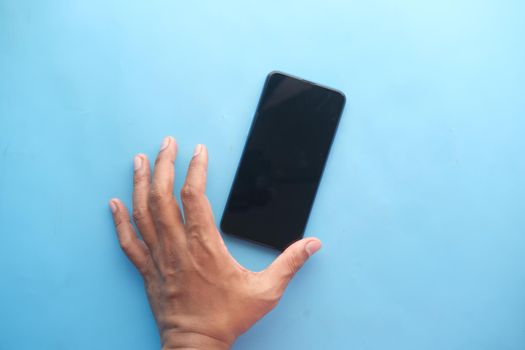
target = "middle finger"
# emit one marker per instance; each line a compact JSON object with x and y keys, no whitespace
{"x":164,"y":208}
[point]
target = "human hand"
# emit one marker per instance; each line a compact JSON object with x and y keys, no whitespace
{"x":201,"y":297}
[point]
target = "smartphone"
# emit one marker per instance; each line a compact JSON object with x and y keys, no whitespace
{"x":282,"y":162}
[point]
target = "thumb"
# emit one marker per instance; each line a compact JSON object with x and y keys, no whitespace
{"x":292,"y":259}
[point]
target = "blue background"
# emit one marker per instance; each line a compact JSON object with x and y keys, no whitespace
{"x":420,"y":208}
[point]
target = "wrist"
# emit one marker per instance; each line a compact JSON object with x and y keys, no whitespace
{"x":180,"y":340}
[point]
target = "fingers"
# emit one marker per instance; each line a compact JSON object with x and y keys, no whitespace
{"x":197,"y":210}
{"x":165,"y":210}
{"x":134,"y":248}
{"x":164,"y":170}
{"x":281,"y":271}
{"x":141,"y":213}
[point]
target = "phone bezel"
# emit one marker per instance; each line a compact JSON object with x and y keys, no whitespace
{"x":267,"y":81}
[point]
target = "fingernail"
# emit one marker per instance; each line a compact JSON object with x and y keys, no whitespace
{"x":113,"y":206}
{"x":197,"y":150}
{"x":165,"y":143}
{"x":137,"y":162}
{"x":312,"y":247}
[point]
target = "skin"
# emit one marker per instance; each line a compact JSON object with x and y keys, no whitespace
{"x":201,"y":297}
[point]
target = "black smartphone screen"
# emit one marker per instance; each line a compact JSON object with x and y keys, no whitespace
{"x":282,"y":162}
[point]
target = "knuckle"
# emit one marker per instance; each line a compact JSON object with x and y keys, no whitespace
{"x":270,"y":293}
{"x":168,"y":272}
{"x":199,"y":242}
{"x":146,"y":269}
{"x":156,"y":195}
{"x":193,"y":228}
{"x":172,"y":290}
{"x":188,"y":193}
{"x":125,"y":244}
{"x":293,"y":265}
{"x":162,"y":157}
{"x":139,"y":214}
{"x":138,"y":178}
{"x":119,"y":222}
{"x":272,"y":296}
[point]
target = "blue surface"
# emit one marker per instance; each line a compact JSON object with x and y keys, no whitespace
{"x":420,"y":208}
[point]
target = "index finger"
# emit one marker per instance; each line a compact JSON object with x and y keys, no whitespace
{"x":197,"y":210}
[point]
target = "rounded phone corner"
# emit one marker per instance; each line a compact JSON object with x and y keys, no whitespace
{"x":274,"y":73}
{"x":221,"y":227}
{"x":342,"y":94}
